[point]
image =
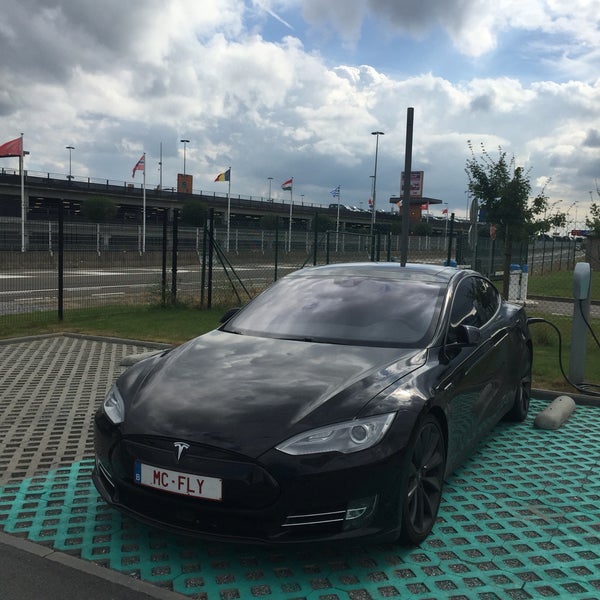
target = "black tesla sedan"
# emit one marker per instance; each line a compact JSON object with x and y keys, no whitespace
{"x":332,"y":406}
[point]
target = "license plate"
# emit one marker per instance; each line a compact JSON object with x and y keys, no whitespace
{"x":185,"y":484}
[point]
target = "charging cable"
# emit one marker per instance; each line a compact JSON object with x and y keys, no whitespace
{"x":584,"y":388}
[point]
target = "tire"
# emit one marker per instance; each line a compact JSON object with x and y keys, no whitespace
{"x":423,"y":481}
{"x":520,"y":408}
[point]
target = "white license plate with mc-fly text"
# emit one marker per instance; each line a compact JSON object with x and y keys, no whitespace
{"x":185,"y":484}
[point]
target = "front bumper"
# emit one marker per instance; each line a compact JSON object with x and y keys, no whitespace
{"x":294,"y":499}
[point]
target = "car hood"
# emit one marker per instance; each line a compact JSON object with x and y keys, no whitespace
{"x":246,"y":394}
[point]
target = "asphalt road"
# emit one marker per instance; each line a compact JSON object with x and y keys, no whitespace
{"x":38,"y":289}
{"x":32,"y":572}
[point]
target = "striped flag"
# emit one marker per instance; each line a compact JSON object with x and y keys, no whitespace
{"x":12,"y":148}
{"x":287,"y":185}
{"x":224,"y":176}
{"x":140,"y":165}
{"x":335,"y":192}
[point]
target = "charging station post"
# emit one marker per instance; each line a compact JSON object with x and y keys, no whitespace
{"x":582,"y":276}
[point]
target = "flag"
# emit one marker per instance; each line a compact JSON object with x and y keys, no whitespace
{"x":445,"y":211}
{"x":335,"y":192}
{"x":140,"y":165}
{"x":224,"y":176}
{"x":12,"y":148}
{"x":287,"y":185}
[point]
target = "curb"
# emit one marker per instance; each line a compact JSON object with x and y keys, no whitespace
{"x":89,"y":568}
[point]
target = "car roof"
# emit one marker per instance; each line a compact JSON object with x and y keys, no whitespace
{"x":392,"y":270}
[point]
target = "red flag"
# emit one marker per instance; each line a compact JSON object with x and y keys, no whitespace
{"x":140,"y":165}
{"x":287,"y":185}
{"x":12,"y":148}
{"x":445,"y":211}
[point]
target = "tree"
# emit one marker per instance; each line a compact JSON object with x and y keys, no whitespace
{"x":503,"y":192}
{"x":593,"y":221}
{"x":98,"y":209}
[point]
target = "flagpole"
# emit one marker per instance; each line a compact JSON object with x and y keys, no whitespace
{"x":290,"y":227}
{"x":228,"y":208}
{"x":337,"y":225}
{"x":144,"y":208}
{"x":21,"y":165}
{"x":160,"y":165}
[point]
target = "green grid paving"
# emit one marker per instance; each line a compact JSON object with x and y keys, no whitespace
{"x":519,"y":520}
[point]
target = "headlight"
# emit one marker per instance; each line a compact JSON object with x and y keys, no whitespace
{"x":351,"y":436}
{"x":113,"y":405}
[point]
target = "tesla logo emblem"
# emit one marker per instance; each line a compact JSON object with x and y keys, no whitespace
{"x":180,"y":448}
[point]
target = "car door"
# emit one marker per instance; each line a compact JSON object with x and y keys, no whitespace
{"x":474,"y":383}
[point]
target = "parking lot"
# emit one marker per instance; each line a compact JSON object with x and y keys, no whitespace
{"x":519,"y":520}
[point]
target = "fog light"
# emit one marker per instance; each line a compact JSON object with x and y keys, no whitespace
{"x":359,"y":512}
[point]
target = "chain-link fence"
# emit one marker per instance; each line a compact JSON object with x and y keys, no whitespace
{"x":87,"y":264}
{"x":69,"y":265}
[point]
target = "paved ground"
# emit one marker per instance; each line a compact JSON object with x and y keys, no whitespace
{"x":520,"y":520}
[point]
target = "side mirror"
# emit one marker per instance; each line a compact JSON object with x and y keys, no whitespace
{"x":228,"y":315}
{"x":465,"y":335}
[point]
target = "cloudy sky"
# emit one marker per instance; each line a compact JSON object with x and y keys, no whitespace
{"x":294,"y":88}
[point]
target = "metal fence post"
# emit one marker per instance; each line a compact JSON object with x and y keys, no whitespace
{"x":211,"y":242}
{"x":316,"y":228}
{"x":389,"y":246}
{"x":276,"y":246}
{"x":203,"y":266}
{"x":61,"y":259}
{"x":164,"y":257}
{"x":174,"y":257}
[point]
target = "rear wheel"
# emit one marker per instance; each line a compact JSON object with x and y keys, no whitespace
{"x":520,"y":408}
{"x":424,"y":480}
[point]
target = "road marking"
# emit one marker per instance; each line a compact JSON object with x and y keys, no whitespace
{"x":108,"y":294}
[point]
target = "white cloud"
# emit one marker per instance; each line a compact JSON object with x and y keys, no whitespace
{"x":271,"y":108}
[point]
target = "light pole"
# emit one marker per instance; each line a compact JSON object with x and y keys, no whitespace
{"x":376,"y":134}
{"x":184,"y":142}
{"x":270,"y":182}
{"x":70,"y":149}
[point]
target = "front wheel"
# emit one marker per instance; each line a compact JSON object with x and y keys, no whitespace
{"x":424,"y":480}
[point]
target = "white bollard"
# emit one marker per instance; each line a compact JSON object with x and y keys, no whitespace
{"x":556,"y":413}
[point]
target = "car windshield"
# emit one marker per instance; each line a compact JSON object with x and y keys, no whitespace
{"x":347,"y":309}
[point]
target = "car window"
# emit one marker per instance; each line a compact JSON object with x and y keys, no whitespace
{"x":487,"y":299}
{"x":475,"y":303}
{"x":345,"y":309}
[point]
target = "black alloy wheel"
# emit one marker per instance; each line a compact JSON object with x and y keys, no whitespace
{"x":520,"y":408}
{"x":424,"y":481}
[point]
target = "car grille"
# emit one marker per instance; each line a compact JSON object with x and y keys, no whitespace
{"x":246,"y":484}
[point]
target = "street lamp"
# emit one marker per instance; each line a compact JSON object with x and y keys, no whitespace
{"x":270,"y":182}
{"x":70,"y":148}
{"x":184,"y":142}
{"x":376,"y":134}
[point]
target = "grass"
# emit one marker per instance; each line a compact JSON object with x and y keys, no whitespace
{"x":176,"y":325}
{"x":546,"y":366}
{"x":147,"y":323}
{"x":559,"y":284}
